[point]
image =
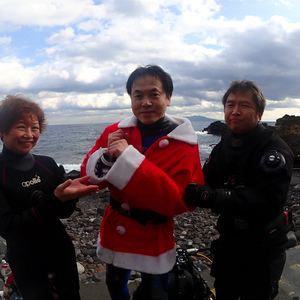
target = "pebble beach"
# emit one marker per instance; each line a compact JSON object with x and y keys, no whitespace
{"x":192,"y":229}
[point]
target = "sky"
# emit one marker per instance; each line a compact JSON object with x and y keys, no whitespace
{"x":73,"y":57}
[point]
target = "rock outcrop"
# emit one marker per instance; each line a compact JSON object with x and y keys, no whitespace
{"x":288,"y":128}
{"x":216,"y":128}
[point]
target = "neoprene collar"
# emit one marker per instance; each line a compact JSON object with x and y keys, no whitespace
{"x":162,"y":126}
{"x":17,"y":161}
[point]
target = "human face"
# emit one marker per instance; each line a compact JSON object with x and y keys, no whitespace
{"x":241,"y":114}
{"x":148,"y":99}
{"x":23,"y":135}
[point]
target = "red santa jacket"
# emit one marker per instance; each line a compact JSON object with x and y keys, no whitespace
{"x":152,"y":181}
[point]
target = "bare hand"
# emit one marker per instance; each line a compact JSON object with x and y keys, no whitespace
{"x":117,"y":143}
{"x":76,"y":188}
{"x":116,"y":148}
{"x":115,"y":136}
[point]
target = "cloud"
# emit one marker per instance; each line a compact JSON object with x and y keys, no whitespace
{"x":5,"y":40}
{"x":76,"y":55}
{"x":47,"y":12}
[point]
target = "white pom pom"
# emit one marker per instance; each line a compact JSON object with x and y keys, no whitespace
{"x":163,"y":143}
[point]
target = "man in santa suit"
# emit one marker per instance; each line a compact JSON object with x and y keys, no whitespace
{"x":146,"y":161}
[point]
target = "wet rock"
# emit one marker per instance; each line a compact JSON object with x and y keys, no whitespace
{"x":216,"y":128}
{"x":288,"y":128}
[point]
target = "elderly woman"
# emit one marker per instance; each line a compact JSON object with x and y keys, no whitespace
{"x":33,"y":199}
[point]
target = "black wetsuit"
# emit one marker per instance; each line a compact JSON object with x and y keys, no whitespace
{"x":39,"y":250}
{"x":257,"y":169}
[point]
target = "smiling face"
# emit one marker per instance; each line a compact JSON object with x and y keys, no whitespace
{"x":148,"y":99}
{"x":241,"y":114}
{"x":23,"y":135}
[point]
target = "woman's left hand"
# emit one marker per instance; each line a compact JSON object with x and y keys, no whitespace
{"x":76,"y":188}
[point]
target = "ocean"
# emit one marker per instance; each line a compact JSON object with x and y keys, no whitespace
{"x":68,"y":144}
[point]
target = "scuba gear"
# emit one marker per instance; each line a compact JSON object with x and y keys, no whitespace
{"x":272,"y":161}
{"x":181,"y":283}
{"x":185,"y":280}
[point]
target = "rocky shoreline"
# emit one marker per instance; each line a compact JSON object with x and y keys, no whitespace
{"x":192,"y":229}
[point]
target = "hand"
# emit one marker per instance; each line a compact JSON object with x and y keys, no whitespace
{"x":117,"y":143}
{"x":115,"y":136}
{"x":76,"y":188}
{"x":199,"y":195}
{"x":116,"y":148}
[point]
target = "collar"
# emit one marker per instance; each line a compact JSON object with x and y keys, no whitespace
{"x":183,"y":132}
{"x":17,"y":161}
{"x":237,"y":141}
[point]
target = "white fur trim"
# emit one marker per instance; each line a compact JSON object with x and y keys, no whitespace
{"x":142,"y":263}
{"x":183,"y":132}
{"x":124,"y":167}
{"x":128,"y":122}
{"x":91,"y":166}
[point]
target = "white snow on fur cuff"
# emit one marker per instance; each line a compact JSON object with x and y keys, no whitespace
{"x":91,"y":166}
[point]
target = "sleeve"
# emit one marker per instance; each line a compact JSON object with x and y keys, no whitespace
{"x":30,"y":220}
{"x":101,"y":142}
{"x":51,"y":208}
{"x":263,"y":195}
{"x":6,"y":217}
{"x":14,"y":223}
{"x":268,"y":193}
{"x":157,"y":182}
{"x":41,"y":213}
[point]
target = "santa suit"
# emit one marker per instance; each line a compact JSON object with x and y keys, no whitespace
{"x":155,"y":181}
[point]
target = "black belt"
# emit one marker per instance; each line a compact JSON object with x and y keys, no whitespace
{"x":139,"y":215}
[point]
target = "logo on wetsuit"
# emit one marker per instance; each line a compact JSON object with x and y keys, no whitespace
{"x":33,"y":181}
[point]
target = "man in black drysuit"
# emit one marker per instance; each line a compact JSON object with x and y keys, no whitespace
{"x":247,"y":178}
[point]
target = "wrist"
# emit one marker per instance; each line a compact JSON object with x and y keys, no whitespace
{"x":222,"y":199}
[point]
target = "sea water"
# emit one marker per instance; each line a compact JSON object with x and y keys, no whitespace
{"x":68,"y":144}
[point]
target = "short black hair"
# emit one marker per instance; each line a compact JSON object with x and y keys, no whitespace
{"x":247,"y":86}
{"x":152,"y":70}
